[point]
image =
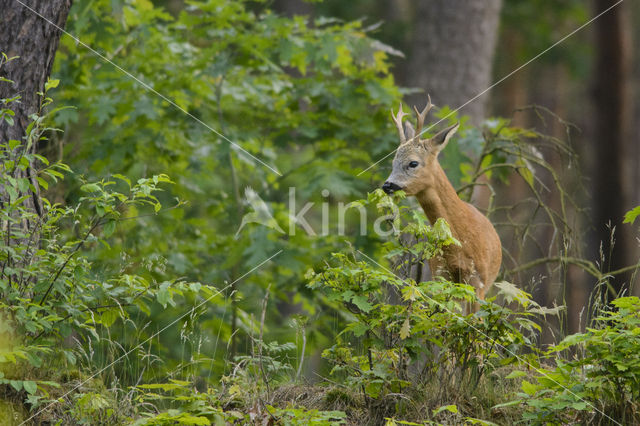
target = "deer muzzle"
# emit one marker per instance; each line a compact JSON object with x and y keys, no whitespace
{"x":390,"y":187}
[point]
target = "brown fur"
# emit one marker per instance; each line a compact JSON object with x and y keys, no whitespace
{"x":477,"y":261}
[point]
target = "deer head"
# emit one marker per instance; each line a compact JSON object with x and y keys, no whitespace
{"x":416,"y":159}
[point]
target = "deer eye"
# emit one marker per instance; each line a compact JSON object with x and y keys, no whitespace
{"x":413,"y":164}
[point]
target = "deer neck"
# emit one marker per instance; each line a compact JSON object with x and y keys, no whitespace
{"x":440,"y":199}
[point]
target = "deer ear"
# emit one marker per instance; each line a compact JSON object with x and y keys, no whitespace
{"x":409,"y":131}
{"x":440,"y":140}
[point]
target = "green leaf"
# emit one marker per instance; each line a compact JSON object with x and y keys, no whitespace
{"x":164,"y":296}
{"x":123,"y":178}
{"x":507,"y":404}
{"x":109,"y":316}
{"x":450,"y":408}
{"x":529,"y":388}
{"x":163,"y":386}
{"x":43,"y":183}
{"x":362,"y":303}
{"x":405,"y":330}
{"x":51,"y":84}
{"x":515,"y":374}
{"x":188,"y":419}
{"x":108,"y":228}
{"x":90,"y":187}
{"x":358,"y":329}
{"x":511,"y":293}
{"x":34,"y":359}
{"x":373,"y":388}
{"x":30,"y":386}
{"x":630,"y":216}
{"x":581,"y":406}
{"x":142,"y":305}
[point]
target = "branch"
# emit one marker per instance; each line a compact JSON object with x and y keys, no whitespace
{"x":64,"y":265}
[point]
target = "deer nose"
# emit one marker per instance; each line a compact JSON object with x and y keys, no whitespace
{"x":390,"y":187}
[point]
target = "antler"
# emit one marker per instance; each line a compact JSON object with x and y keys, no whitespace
{"x":422,"y":115}
{"x":398,"y":120}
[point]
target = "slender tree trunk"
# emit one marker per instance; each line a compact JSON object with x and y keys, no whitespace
{"x":612,"y":111}
{"x":452,"y":52}
{"x":25,"y":34}
{"x":634,"y":156}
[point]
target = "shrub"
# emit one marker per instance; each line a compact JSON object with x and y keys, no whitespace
{"x":389,"y":348}
{"x":600,"y":383}
{"x":52,"y":300}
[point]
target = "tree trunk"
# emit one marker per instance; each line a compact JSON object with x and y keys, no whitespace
{"x":612,"y":110}
{"x":25,"y":34}
{"x":452,"y":52}
{"x":634,"y":141}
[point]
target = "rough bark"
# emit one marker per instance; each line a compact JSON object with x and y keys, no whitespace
{"x":611,"y":143}
{"x":25,"y":34}
{"x":35,"y":41}
{"x":32,"y":42}
{"x":452,"y":52}
{"x":635,"y":137}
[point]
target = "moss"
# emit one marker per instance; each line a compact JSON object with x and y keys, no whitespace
{"x":11,"y":413}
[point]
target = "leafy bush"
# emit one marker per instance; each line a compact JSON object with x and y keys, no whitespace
{"x":424,"y":337}
{"x":308,"y":97}
{"x":194,"y":408}
{"x":292,"y":416}
{"x":600,"y":383}
{"x":52,"y":299}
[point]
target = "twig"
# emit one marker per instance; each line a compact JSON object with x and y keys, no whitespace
{"x":64,"y":265}
{"x":586,"y":265}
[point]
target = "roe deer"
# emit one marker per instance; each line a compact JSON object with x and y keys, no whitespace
{"x":417,"y":172}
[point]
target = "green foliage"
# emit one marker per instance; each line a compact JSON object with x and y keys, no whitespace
{"x":292,"y":416}
{"x":196,"y":408}
{"x":92,"y":407}
{"x":49,"y":289}
{"x":309,"y":98}
{"x":193,"y":408}
{"x":6,"y":113}
{"x":452,"y":416}
{"x":601,"y":382}
{"x":268,"y":366}
{"x":387,"y":348}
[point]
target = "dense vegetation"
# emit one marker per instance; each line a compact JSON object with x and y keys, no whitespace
{"x":139,"y":297}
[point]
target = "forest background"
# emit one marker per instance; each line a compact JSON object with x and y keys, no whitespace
{"x":128,"y":268}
